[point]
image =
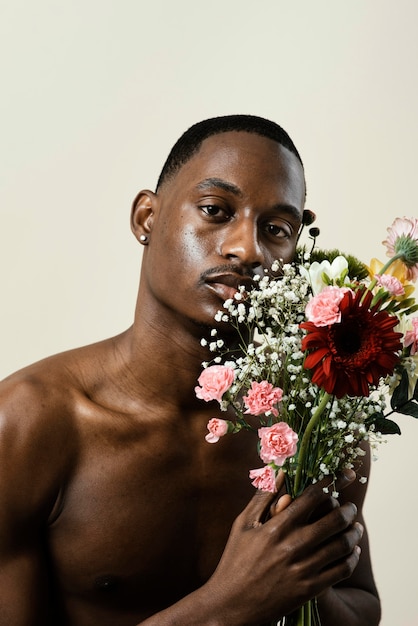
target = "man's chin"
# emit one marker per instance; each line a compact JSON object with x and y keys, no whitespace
{"x":224,"y":330}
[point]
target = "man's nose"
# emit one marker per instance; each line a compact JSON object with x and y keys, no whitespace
{"x":241,"y":242}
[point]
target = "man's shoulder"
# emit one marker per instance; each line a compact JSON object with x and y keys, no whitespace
{"x":53,"y":377}
{"x":38,"y":434}
{"x":42,"y":387}
{"x":40,"y":404}
{"x":47,"y":397}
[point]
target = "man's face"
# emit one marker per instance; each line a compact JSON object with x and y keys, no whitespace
{"x":231,"y":210}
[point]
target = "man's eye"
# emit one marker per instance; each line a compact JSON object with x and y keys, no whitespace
{"x":277,"y":231}
{"x":213,"y":210}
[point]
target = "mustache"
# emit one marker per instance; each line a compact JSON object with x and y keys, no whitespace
{"x":239,"y":270}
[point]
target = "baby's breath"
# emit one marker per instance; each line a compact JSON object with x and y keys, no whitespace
{"x":267,"y":320}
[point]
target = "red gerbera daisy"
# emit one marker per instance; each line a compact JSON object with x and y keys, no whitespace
{"x":349,"y":356}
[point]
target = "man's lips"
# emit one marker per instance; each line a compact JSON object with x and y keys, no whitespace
{"x":227,"y":285}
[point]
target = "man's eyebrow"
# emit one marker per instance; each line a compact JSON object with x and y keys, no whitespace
{"x":291,"y":211}
{"x":209,"y":183}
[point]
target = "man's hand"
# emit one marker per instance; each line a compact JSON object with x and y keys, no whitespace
{"x":269,"y":569}
{"x":282,"y":553}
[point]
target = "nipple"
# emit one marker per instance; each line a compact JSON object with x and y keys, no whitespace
{"x":106,"y":583}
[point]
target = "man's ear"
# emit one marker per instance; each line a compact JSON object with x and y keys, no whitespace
{"x":142,"y":214}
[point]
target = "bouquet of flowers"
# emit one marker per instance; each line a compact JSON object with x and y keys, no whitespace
{"x":328,"y":351}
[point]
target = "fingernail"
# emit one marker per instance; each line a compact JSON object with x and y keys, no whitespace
{"x":349,"y":474}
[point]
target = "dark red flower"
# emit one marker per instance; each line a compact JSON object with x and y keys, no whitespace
{"x":347,"y":357}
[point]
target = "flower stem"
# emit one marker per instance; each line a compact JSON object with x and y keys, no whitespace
{"x":384,"y":268}
{"x":305,"y":441}
{"x":372,"y":284}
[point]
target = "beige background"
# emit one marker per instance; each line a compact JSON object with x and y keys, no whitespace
{"x":93,"y":94}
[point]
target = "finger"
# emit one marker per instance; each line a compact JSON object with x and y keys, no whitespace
{"x":322,"y":509}
{"x":280,"y":485}
{"x":282,"y":503}
{"x":280,"y":479}
{"x":257,"y":508}
{"x":349,"y":551}
{"x":335,"y":573}
{"x":342,"y":545}
{"x":345,"y":479}
{"x":334,"y":526}
{"x":316,"y":496}
{"x":334,"y":557}
{"x":344,"y":569}
{"x":255,"y":516}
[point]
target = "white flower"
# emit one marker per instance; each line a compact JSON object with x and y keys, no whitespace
{"x":333,"y":271}
{"x":324,"y":469}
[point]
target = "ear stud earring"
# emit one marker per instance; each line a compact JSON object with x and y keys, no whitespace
{"x":143,"y":239}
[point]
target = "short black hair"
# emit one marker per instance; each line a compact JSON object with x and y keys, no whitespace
{"x":189,"y":143}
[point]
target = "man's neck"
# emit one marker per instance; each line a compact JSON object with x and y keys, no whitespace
{"x":163,"y":360}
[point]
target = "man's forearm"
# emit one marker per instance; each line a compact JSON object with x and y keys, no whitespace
{"x":349,"y":606}
{"x":195,"y":609}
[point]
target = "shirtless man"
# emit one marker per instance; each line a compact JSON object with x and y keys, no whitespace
{"x":113,"y":508}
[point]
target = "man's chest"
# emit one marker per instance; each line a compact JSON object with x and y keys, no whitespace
{"x":145,"y":523}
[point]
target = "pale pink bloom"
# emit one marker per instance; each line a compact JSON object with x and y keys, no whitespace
{"x":392,"y":284}
{"x":324,"y":308}
{"x":214,"y":381}
{"x":217,"y":428}
{"x":264,"y":479}
{"x":406,"y":227}
{"x":277,"y":443}
{"x":411,"y":337}
{"x":262,"y":398}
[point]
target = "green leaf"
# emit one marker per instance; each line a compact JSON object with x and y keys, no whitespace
{"x":381,"y":296}
{"x":409,"y":408}
{"x":382,"y":424}
{"x":386,"y":427}
{"x":415,"y":394}
{"x":325,"y":279}
{"x":400,"y":394}
{"x":407,"y":302}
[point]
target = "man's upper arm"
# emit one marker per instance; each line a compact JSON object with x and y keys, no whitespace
{"x":23,"y":587}
{"x":362,"y":577}
{"x":30,"y":470}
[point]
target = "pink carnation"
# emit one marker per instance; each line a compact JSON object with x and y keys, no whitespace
{"x":324,"y":308}
{"x":262,"y":397}
{"x":411,"y":337}
{"x":214,"y":381}
{"x":217,"y":428}
{"x":264,"y":479}
{"x":277,"y":443}
{"x":392,"y":284}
